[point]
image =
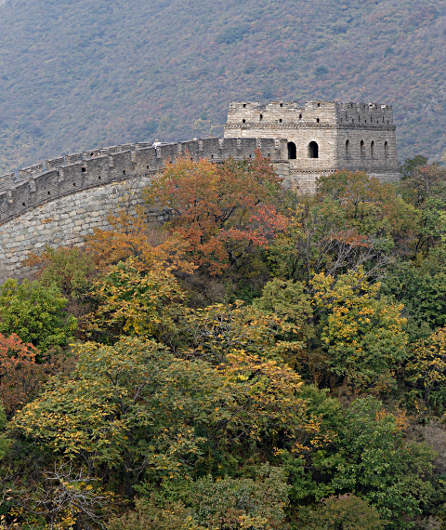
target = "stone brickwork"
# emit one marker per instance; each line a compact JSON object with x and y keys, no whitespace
{"x":60,"y":202}
{"x":323,"y":136}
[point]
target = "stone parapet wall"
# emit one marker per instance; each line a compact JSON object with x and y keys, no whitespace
{"x":59,"y":203}
{"x":75,"y":172}
{"x":64,"y":221}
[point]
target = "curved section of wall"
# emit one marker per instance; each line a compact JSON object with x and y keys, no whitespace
{"x":62,"y":202}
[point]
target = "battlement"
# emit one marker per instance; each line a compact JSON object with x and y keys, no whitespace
{"x":311,"y":114}
{"x":76,"y":172}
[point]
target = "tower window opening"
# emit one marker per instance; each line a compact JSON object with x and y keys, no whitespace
{"x":292,"y":152}
{"x":372,"y":149}
{"x":313,"y":150}
{"x":300,"y":115}
{"x":280,"y":121}
{"x":261,"y":117}
{"x":244,"y":105}
{"x":317,"y":120}
{"x":347,"y":147}
{"x":281,"y":104}
{"x":386,"y":149}
{"x":244,"y":121}
{"x":362,"y":147}
{"x":318,"y":104}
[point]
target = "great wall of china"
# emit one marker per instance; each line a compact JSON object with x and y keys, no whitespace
{"x":61,"y":200}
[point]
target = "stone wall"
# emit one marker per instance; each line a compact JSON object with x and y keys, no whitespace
{"x":62,"y":202}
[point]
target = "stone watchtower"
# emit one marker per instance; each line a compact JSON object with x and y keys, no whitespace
{"x":322,"y":137}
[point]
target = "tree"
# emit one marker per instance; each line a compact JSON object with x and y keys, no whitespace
{"x":366,"y":205}
{"x":35,"y":313}
{"x":68,"y":268}
{"x":410,"y":165}
{"x":242,"y":503}
{"x":131,"y":236}
{"x":136,"y":408}
{"x":220,"y":211}
{"x":344,"y":512}
{"x":151,"y":516}
{"x":216,"y":331}
{"x":20,"y":373}
{"x":130,"y":301}
{"x":421,"y":182}
{"x":380,"y":466}
{"x":426,"y":368}
{"x":362,"y":332}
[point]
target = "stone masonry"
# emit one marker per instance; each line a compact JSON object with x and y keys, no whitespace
{"x":60,"y":201}
{"x":322,"y":136}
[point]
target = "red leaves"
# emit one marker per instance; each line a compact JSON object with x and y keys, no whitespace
{"x":20,"y":375}
{"x":213,"y":206}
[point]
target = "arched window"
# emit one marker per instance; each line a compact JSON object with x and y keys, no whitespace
{"x":261,"y":117}
{"x":386,"y":149}
{"x":347,"y":148}
{"x":291,"y":151}
{"x":372,"y":149}
{"x":362,"y":149}
{"x":313,"y":150}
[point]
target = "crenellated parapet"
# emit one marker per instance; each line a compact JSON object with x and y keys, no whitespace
{"x":73,"y":173}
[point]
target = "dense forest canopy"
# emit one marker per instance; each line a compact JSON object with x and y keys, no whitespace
{"x":259,"y":361}
{"x":78,"y":75}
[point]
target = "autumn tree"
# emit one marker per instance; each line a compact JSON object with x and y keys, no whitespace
{"x":426,"y":368}
{"x":364,"y":204}
{"x":221,"y":211}
{"x":361,"y":332}
{"x":20,"y":373}
{"x":129,"y":301}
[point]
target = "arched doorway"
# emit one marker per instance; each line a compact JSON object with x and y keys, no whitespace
{"x":292,"y":154}
{"x":313,"y":150}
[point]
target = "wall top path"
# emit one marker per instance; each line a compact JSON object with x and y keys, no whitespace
{"x":72,"y":173}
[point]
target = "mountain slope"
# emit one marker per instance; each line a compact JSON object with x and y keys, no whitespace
{"x":76,"y":75}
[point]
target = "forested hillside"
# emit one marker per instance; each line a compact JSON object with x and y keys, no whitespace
{"x":261,"y":361}
{"x":75,"y":75}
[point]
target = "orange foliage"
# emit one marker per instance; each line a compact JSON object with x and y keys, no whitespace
{"x":20,"y":375}
{"x":219,"y":210}
{"x":132,"y":237}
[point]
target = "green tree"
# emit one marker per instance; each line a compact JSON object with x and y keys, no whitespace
{"x":68,"y":268}
{"x":242,"y":503}
{"x":149,"y":515}
{"x":380,"y":466}
{"x":426,"y":369}
{"x":361,"y":332}
{"x":345,"y":512}
{"x":36,"y":313}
